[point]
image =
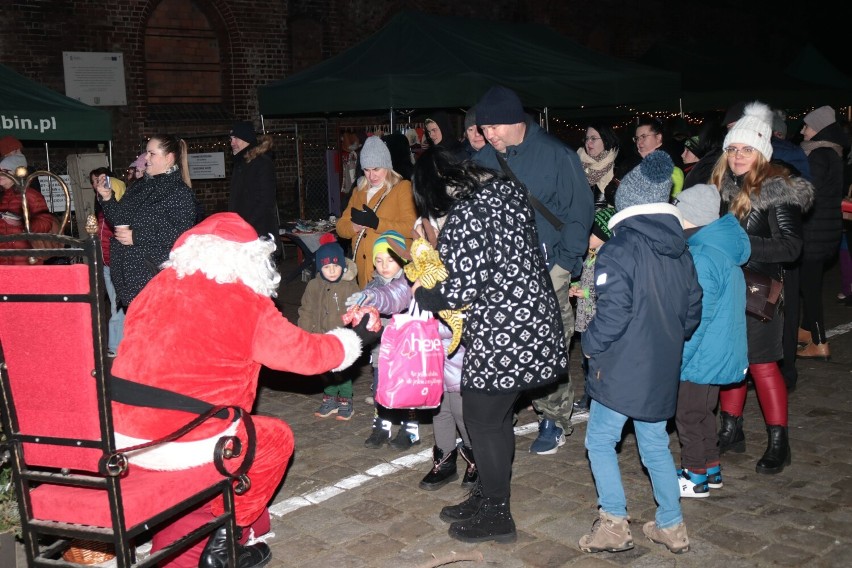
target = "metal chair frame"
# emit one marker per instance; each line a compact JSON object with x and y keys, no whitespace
{"x":45,"y":540}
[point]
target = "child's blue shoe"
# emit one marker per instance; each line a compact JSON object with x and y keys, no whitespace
{"x":692,"y":484}
{"x":714,"y":477}
{"x":328,"y":407}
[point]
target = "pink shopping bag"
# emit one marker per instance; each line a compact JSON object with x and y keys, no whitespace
{"x":411,"y":363}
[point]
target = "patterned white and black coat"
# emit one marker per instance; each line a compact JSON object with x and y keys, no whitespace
{"x":512,"y":328}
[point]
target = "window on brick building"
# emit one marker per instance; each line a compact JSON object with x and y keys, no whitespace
{"x":183,"y":68}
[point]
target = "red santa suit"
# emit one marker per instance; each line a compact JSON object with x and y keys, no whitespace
{"x":202,"y":328}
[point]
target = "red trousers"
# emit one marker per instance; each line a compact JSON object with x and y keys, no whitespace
{"x":771,"y":393}
{"x":274,"y":448}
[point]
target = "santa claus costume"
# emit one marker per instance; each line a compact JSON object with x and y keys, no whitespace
{"x":202,"y":328}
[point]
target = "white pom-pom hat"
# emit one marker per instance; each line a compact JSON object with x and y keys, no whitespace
{"x":753,"y":129}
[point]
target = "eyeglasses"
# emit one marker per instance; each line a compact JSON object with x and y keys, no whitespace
{"x":745,"y":151}
{"x":642,"y":137}
{"x":591,"y":139}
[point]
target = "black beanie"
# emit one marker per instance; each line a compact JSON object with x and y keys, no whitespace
{"x":244,"y":130}
{"x":500,"y":105}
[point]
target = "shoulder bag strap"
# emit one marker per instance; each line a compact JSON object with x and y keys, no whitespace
{"x":364,"y":232}
{"x":539,"y":206}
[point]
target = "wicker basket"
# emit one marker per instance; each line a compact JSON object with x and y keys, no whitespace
{"x":88,"y":552}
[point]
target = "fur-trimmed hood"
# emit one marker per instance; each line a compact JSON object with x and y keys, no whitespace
{"x":796,"y":191}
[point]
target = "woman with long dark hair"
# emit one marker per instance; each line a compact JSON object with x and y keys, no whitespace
{"x":512,"y":330}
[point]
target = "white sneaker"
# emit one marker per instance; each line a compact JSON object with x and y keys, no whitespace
{"x":692,"y":484}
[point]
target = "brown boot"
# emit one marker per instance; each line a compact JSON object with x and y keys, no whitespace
{"x":814,"y":351}
{"x":609,"y":534}
{"x":674,"y":538}
{"x":804,"y":336}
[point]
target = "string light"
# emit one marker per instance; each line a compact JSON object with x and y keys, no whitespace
{"x":629,"y":122}
{"x":220,"y":145}
{"x":569,"y":127}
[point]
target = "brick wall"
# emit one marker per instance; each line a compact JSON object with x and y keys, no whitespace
{"x":254,"y":46}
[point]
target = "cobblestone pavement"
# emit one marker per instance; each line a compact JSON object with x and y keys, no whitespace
{"x":344,"y":505}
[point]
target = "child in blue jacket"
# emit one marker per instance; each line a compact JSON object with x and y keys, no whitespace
{"x":717,"y":353}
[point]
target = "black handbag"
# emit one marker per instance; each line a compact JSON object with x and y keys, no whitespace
{"x":762,"y":294}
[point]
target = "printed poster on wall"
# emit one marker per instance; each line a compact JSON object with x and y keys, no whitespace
{"x":210,"y":165}
{"x":95,"y":78}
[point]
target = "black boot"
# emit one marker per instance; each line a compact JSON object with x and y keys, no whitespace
{"x":471,"y":474}
{"x":493,"y":521}
{"x":467,"y":509}
{"x":215,"y":554}
{"x":731,"y":435}
{"x":443,"y":470}
{"x":777,"y":454}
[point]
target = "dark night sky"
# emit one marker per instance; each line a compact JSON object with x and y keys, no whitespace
{"x":769,"y":31}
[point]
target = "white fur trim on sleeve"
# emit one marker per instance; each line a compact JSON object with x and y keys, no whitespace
{"x":351,"y":346}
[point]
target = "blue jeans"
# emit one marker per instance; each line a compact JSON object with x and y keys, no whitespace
{"x":116,"y":319}
{"x":602,"y":434}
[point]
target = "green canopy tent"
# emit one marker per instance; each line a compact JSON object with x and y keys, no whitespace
{"x":30,"y":111}
{"x":425,"y":61}
{"x":812,"y":66}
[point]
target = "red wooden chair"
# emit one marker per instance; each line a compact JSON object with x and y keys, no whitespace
{"x":71,"y":481}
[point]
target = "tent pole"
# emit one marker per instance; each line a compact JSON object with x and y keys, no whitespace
{"x":262,"y":126}
{"x":546,"y":119}
{"x":299,"y":181}
{"x":680,"y":104}
{"x":391,"y":119}
{"x":47,"y":155}
{"x":110,"y":155}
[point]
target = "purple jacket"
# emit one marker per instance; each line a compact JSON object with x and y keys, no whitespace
{"x":394,"y":298}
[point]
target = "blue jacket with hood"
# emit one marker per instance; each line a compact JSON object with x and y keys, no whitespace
{"x":717,"y":353}
{"x":649,"y":302}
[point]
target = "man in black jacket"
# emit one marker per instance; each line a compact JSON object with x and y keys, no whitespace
{"x":253,"y":187}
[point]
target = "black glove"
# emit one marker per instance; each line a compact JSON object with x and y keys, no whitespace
{"x":366,"y":218}
{"x":367,"y":337}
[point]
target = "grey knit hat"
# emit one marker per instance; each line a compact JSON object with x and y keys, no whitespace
{"x":699,"y":204}
{"x":649,"y":182}
{"x":820,"y":118}
{"x":375,"y":154}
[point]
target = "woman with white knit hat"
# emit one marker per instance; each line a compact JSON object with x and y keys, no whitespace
{"x":769,"y":203}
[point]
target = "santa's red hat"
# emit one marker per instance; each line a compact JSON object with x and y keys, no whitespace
{"x":228,"y":226}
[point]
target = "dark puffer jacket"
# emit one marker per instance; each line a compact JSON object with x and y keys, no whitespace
{"x":823,"y":224}
{"x":774,"y":224}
